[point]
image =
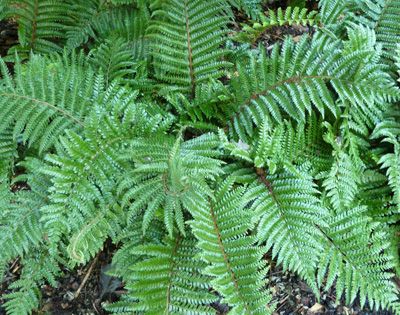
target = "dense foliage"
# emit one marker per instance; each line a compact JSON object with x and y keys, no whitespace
{"x":198,"y":147}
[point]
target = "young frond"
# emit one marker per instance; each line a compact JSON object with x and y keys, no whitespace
{"x":168,"y":172}
{"x":234,"y":260}
{"x":187,"y":37}
{"x":290,"y":16}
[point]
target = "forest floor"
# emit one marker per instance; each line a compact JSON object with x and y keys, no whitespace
{"x":84,"y":289}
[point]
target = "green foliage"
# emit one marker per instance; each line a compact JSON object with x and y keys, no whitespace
{"x":44,"y":97}
{"x":145,"y":124}
{"x":40,"y":25}
{"x":187,"y":37}
{"x":168,"y":279}
{"x":235,"y":261}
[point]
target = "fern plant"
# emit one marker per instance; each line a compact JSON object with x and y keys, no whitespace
{"x":147,"y":124}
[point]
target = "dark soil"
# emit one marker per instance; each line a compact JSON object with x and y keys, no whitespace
{"x":8,"y":36}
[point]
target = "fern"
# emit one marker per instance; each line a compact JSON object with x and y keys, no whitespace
{"x":145,"y":124}
{"x":114,"y":58}
{"x":88,"y":200}
{"x":357,"y":260}
{"x":235,"y":262}
{"x":168,"y":280}
{"x":41,"y":25}
{"x":45,"y":97}
{"x":167,"y":174}
{"x":186,"y":43}
{"x":274,"y":87}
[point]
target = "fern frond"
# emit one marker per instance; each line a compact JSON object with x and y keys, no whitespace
{"x":94,"y":19}
{"x":167,"y":173}
{"x":87,"y":169}
{"x":251,"y":7}
{"x":41,"y":25}
{"x":186,"y":43}
{"x":168,"y":280}
{"x":354,"y":256}
{"x":287,"y":209}
{"x":38,"y":269}
{"x":296,"y":78}
{"x":383,"y":16}
{"x":234,"y":260}
{"x":45,"y":97}
{"x":115,"y":59}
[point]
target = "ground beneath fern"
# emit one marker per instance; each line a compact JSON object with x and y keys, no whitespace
{"x":290,"y":293}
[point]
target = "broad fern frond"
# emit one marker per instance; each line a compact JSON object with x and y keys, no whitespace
{"x":45,"y":97}
{"x":186,"y":42}
{"x":235,"y":261}
{"x":296,"y":78}
{"x":287,"y":209}
{"x":354,"y":255}
{"x":41,"y":25}
{"x":168,"y":280}
{"x":87,"y":169}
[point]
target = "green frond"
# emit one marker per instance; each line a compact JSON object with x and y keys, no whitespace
{"x":41,"y":25}
{"x":354,"y":257}
{"x":288,"y":210}
{"x":168,"y":279}
{"x":25,"y":297}
{"x":251,"y":7}
{"x":234,"y":260}
{"x":186,"y":42}
{"x":21,"y":230}
{"x":168,"y":172}
{"x":94,"y":19}
{"x":45,"y":97}
{"x":8,"y":150}
{"x":87,"y":169}
{"x":295,"y":78}
{"x":115,"y":59}
{"x":341,"y":182}
{"x":383,"y":16}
